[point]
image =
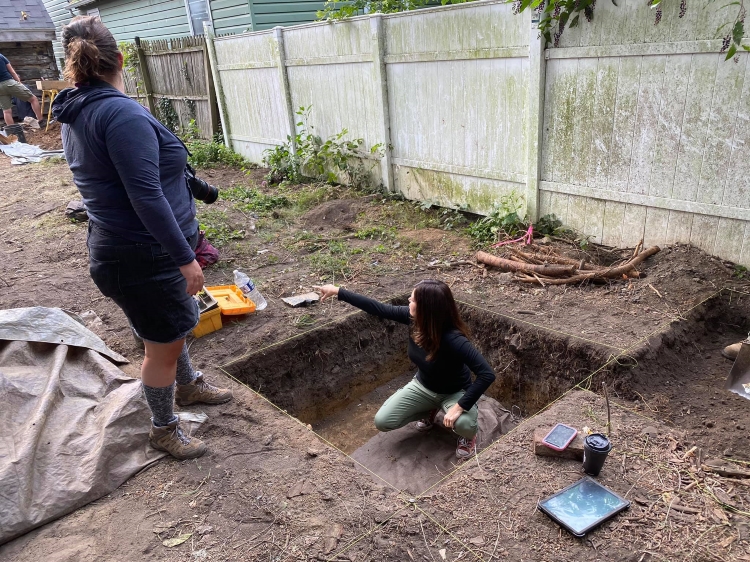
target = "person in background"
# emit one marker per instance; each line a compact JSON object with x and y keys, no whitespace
{"x":439,"y":346}
{"x":129,"y":169}
{"x":11,"y":86}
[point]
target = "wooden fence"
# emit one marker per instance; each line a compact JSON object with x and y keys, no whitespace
{"x":173,"y":79}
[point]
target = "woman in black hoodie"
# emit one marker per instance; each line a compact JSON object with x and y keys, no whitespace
{"x":129,"y":170}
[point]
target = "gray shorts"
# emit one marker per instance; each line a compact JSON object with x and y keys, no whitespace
{"x":12,"y":89}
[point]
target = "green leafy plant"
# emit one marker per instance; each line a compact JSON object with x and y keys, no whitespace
{"x":206,"y":154}
{"x":217,"y":229}
{"x":167,"y":114}
{"x":740,"y":271}
{"x":307,"y":156}
{"x":548,"y":225}
{"x":507,"y":219}
{"x":558,"y":15}
{"x":250,"y":199}
{"x":333,"y":10}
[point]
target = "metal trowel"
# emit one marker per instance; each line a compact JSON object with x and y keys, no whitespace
{"x":739,"y":377}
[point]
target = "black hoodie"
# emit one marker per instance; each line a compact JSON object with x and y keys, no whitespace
{"x":128,"y":167}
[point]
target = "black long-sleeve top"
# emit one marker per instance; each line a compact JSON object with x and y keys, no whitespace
{"x":450,"y":370}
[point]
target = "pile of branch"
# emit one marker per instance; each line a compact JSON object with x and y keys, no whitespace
{"x":545,"y":267}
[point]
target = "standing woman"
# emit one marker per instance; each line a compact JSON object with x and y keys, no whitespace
{"x":440,"y":348}
{"x":129,"y":170}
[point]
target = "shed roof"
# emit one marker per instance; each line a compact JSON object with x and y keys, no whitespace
{"x":35,"y":26}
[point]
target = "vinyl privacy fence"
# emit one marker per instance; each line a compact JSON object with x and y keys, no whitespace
{"x":625,"y":131}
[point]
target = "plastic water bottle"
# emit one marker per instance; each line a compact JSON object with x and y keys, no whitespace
{"x":248,"y":289}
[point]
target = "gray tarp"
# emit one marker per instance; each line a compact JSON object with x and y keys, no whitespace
{"x":74,"y":426}
{"x":414,"y":461}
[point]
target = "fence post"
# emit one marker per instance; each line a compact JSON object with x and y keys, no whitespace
{"x":278,"y":35}
{"x":145,"y":76}
{"x":535,"y":102}
{"x":208,"y":32}
{"x":213,"y":111}
{"x":381,"y":93}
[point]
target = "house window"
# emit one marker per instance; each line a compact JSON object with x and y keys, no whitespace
{"x":198,"y":12}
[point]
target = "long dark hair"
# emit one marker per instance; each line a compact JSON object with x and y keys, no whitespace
{"x":437,"y":313}
{"x":90,"y":50}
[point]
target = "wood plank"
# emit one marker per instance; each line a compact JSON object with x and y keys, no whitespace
{"x":655,"y":231}
{"x":726,"y":97}
{"x":730,"y":235}
{"x":649,"y":201}
{"x":737,"y":188}
{"x":583,"y":112}
{"x":633,"y":225}
{"x":602,"y":122}
{"x":563,"y":105}
{"x":703,"y":234}
{"x":679,"y":227}
{"x":623,"y":129}
{"x":647,"y":123}
{"x":576,"y":218}
{"x":595,"y":219}
{"x":676,"y":77}
{"x":614,"y":218}
{"x":694,"y":126}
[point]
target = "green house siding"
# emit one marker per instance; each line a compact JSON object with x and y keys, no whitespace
{"x":231,"y":16}
{"x":147,"y":19}
{"x":60,"y":13}
{"x":270,"y":13}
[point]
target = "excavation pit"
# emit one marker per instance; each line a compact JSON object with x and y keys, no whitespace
{"x":335,"y":377}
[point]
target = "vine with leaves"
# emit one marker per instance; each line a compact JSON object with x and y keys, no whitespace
{"x":558,"y":15}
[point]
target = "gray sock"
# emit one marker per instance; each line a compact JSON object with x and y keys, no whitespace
{"x":185,"y":372}
{"x":161,"y":402}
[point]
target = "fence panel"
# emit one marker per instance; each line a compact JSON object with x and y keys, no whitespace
{"x":643,"y":128}
{"x":178,"y":77}
{"x":646,"y":131}
{"x":457,"y":90}
{"x":253,"y":92}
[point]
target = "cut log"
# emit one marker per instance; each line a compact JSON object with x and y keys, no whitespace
{"x":573,"y":451}
{"x":508,"y":265}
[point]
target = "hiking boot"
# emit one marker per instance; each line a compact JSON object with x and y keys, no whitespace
{"x":201,"y":391}
{"x":731,"y":351}
{"x":466,"y":447}
{"x":425,"y":424}
{"x":176,"y":442}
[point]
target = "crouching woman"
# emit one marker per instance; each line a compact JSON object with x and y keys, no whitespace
{"x":440,"y":347}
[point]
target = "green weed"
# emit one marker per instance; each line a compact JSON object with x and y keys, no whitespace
{"x":507,"y":220}
{"x":252,"y":200}
{"x":217,"y":228}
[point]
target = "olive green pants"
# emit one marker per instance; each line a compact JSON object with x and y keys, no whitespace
{"x":414,"y":402}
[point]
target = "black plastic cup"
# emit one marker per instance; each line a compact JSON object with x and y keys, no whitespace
{"x":596,"y":447}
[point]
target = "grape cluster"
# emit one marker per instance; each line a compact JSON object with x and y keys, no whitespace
{"x":516,"y":7}
{"x":658,"y":15}
{"x":683,"y":8}
{"x":726,"y":42}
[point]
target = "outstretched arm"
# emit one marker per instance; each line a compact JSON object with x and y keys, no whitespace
{"x":371,"y":306}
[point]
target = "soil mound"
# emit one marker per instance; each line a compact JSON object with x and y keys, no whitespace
{"x":340,"y":214}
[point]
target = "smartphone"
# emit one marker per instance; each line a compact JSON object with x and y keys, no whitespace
{"x":560,"y":437}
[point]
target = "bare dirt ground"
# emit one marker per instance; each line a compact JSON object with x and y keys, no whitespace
{"x":272,"y":489}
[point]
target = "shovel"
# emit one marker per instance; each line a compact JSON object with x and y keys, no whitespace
{"x":739,"y":377}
